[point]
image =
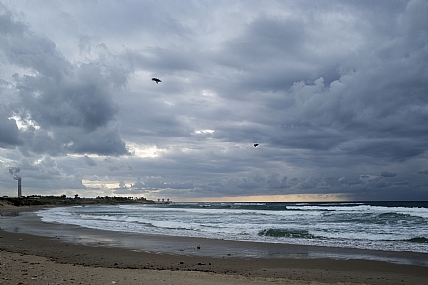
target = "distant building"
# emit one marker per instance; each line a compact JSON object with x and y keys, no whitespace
{"x":163,"y":201}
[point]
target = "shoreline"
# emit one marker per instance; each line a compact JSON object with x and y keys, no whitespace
{"x":286,"y":270}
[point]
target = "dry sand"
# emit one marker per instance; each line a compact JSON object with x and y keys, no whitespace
{"x":28,"y":269}
{"x":29,"y":259}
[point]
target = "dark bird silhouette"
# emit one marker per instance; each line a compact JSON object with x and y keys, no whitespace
{"x":157,"y":80}
{"x":256,"y":144}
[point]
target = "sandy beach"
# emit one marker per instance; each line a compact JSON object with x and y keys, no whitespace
{"x":33,"y":259}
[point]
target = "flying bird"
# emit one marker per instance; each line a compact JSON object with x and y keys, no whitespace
{"x":157,"y":80}
{"x":256,"y":144}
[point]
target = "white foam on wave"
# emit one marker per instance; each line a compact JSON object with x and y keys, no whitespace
{"x":346,"y":226}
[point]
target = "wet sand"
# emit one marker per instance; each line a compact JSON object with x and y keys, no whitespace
{"x":33,"y":259}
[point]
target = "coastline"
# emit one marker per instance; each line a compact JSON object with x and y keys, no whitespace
{"x":185,"y":265}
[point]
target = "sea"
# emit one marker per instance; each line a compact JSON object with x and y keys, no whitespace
{"x":378,"y":226}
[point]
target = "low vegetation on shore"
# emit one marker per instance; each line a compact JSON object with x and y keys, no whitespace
{"x":76,"y":200}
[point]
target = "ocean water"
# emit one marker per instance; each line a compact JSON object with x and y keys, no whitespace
{"x":386,"y":226}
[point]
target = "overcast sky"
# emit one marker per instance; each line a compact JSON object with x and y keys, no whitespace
{"x":334,"y":92}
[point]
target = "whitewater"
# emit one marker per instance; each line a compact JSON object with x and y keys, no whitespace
{"x":387,"y":226}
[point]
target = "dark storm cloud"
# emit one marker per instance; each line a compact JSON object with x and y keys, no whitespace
{"x":102,"y":141}
{"x":334,"y":93}
{"x":387,"y":148}
{"x":273,"y":59}
{"x":79,"y":100}
{"x":149,"y":120}
{"x":362,"y":102}
{"x":57,"y":95}
{"x":273,"y":52}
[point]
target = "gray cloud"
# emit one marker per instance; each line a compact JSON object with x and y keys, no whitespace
{"x":89,"y":161}
{"x":334,"y":93}
{"x":9,"y":133}
{"x":59,"y":95}
{"x":388,"y":174}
